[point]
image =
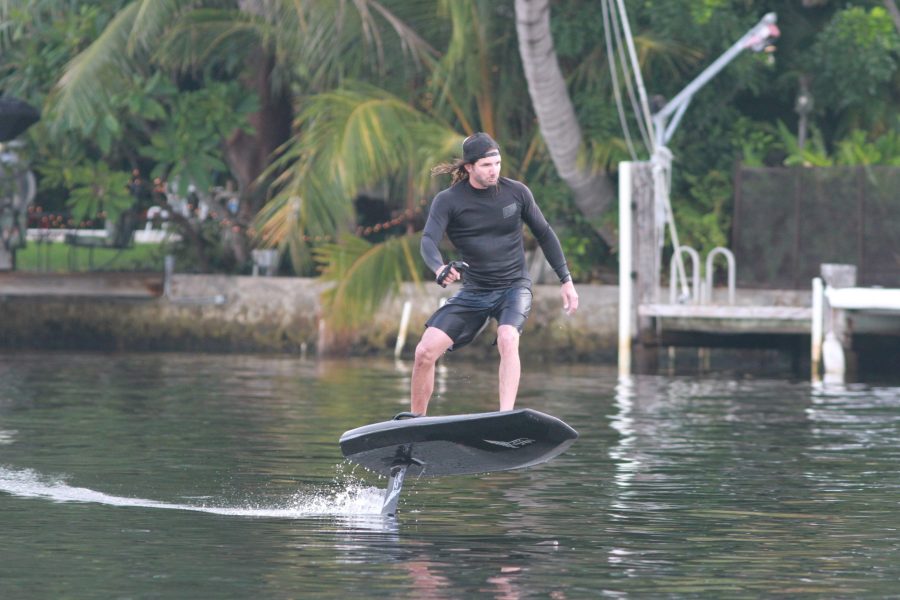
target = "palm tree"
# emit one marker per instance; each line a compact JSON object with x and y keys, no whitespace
{"x":285,"y":49}
{"x":302,"y":59}
{"x":351,"y":138}
{"x":593,"y":190}
{"x":348,"y":140}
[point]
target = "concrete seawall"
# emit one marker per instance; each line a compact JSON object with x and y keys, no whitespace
{"x":262,"y":314}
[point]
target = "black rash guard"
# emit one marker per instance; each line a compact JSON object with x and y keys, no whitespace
{"x":485,"y":226}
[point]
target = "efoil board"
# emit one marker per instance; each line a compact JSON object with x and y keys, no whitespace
{"x":459,"y":444}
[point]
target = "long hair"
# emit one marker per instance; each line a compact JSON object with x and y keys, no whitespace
{"x":456,"y":169}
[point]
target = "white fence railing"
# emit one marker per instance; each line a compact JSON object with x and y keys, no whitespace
{"x":141,"y":236}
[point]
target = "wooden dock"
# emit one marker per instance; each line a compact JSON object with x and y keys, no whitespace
{"x":847,"y":314}
{"x":711,"y":326}
{"x":748,"y":326}
{"x":820,"y":322}
{"x":733,"y":319}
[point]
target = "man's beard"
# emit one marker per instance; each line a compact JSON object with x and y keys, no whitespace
{"x":484,"y":181}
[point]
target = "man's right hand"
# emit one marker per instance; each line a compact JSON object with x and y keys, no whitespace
{"x":448,"y":273}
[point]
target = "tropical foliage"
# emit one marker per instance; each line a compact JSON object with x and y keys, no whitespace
{"x":302,"y":106}
{"x":363,"y":274}
{"x":349,"y":140}
{"x":94,"y":189}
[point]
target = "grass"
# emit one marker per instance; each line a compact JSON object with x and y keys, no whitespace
{"x":57,"y":257}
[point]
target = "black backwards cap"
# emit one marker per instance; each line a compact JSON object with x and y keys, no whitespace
{"x":477,"y":146}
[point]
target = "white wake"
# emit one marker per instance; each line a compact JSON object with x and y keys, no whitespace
{"x":352,"y":500}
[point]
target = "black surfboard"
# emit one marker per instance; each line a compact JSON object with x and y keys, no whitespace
{"x":459,"y":444}
{"x":455,"y":445}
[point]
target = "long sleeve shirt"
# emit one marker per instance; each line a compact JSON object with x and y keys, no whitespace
{"x":485,"y":226}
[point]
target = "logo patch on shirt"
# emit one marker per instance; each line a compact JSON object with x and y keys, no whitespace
{"x":509,"y":211}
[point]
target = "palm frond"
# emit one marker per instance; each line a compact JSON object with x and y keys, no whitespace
{"x":813,"y":154}
{"x":6,"y":25}
{"x":19,"y":17}
{"x":318,"y":40}
{"x":348,"y":140}
{"x":365,"y":275}
{"x":665,"y":55}
{"x":314,"y":207}
{"x":84,"y":90}
{"x":210,"y":35}
{"x":153,"y":19}
{"x":411,"y":42}
{"x":457,"y":70}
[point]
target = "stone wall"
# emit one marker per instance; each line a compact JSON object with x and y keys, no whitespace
{"x":264,"y":314}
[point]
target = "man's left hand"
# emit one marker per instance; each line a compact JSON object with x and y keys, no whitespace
{"x":570,"y":297}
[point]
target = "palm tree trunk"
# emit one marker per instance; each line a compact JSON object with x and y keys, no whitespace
{"x":593,"y":191}
{"x":895,"y":12}
{"x":248,"y":154}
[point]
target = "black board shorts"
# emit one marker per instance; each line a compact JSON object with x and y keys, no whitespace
{"x":467,"y":313}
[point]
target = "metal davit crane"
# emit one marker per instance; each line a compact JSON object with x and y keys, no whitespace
{"x":758,"y":39}
{"x":660,"y":127}
{"x":667,"y":119}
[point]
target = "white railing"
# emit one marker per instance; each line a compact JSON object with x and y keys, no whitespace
{"x":141,"y":236}
{"x":702,"y":294}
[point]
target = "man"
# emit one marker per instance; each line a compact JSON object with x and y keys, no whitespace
{"x":482,"y":214}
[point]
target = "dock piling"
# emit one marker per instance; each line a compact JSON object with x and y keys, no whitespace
{"x":816,"y":328}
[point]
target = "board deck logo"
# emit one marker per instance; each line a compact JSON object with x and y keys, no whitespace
{"x":516,"y":443}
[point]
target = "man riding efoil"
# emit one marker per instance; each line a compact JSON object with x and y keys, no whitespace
{"x":482,"y":214}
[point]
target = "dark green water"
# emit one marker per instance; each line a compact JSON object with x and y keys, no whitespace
{"x":178,"y":476}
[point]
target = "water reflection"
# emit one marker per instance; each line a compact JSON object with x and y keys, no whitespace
{"x":704,"y":466}
{"x":622,"y":453}
{"x":193,"y":476}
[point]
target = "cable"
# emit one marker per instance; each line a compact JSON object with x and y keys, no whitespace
{"x":613,"y":71}
{"x":646,"y":134}
{"x":636,"y":69}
